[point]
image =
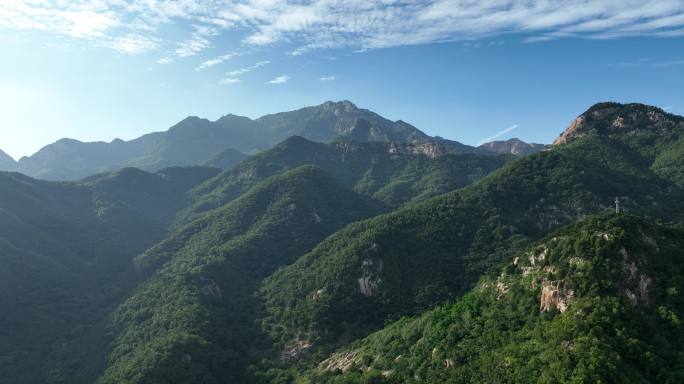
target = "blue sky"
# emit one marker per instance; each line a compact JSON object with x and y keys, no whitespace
{"x":462,"y":69}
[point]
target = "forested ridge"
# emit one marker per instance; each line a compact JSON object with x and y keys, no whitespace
{"x":376,"y":255}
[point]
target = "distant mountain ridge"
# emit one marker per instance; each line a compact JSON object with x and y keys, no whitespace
{"x":354,"y":262}
{"x":7,"y":163}
{"x":512,"y":146}
{"x":195,"y":141}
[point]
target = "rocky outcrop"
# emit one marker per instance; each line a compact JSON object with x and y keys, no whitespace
{"x":555,"y":295}
{"x":295,"y":349}
{"x":430,"y":149}
{"x":619,"y":119}
{"x":343,"y":361}
{"x":639,"y":292}
{"x":370,"y":280}
{"x":571,"y":131}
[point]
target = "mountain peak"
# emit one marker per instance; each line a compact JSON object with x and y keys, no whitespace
{"x":344,"y":105}
{"x":7,"y":163}
{"x":610,"y":118}
{"x":232,"y":118}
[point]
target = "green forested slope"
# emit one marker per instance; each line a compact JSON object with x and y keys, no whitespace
{"x":388,"y":172}
{"x":421,"y":255}
{"x":600,"y":301}
{"x":272,"y":266}
{"x":66,"y":253}
{"x":193,"y":320}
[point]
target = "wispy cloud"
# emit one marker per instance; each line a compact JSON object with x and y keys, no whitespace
{"x":651,"y":62}
{"x":498,"y":134}
{"x":667,"y":107}
{"x":327,"y":78}
{"x":280,"y":79}
{"x":165,"y":60}
{"x":216,"y":61}
{"x":242,"y":71}
{"x":132,"y":44}
{"x":670,"y":63}
{"x":355,"y":24}
{"x":229,"y":80}
{"x":197,"y":42}
{"x":232,"y":77}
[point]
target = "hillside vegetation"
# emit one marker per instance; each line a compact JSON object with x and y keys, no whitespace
{"x":599,"y":301}
{"x":390,"y":172}
{"x":379,"y":256}
{"x":193,"y":319}
{"x":427,"y":253}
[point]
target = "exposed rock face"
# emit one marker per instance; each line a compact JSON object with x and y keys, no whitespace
{"x":615,"y":118}
{"x":513,"y":146}
{"x":211,"y":288}
{"x":369,"y":282}
{"x":342,"y":361}
{"x":639,"y":293}
{"x":429,"y":149}
{"x":571,"y":131}
{"x":555,"y":295}
{"x":295,"y":349}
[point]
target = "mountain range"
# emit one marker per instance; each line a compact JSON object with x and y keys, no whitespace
{"x":226,"y":141}
{"x":367,"y":253}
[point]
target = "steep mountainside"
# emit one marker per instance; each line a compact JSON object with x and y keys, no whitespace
{"x":195,"y":141}
{"x":423,"y":254}
{"x":7,"y":163}
{"x":390,"y":172}
{"x":66,"y":252}
{"x":226,"y":159}
{"x":621,"y":119}
{"x":600,"y":301}
{"x":512,"y":146}
{"x":193,"y":319}
{"x":331,"y":120}
{"x":363,"y":259}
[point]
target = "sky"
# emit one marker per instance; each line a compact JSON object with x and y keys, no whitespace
{"x":467,"y":70}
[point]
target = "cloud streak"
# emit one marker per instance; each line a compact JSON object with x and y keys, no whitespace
{"x":229,"y":80}
{"x":216,"y":61}
{"x":498,"y":134}
{"x":232,"y":77}
{"x":280,"y":79}
{"x":354,"y":24}
{"x":242,"y":71}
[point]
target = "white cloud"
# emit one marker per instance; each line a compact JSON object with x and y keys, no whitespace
{"x":132,"y":44}
{"x":498,"y":134}
{"x":280,"y":79}
{"x":667,"y":107}
{"x":327,"y":78}
{"x":242,"y":71}
{"x":216,"y":61}
{"x":232,"y":77}
{"x":197,"y":42}
{"x":354,"y":24}
{"x":165,"y":60}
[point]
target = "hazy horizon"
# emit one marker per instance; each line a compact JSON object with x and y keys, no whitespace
{"x":504,"y":134}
